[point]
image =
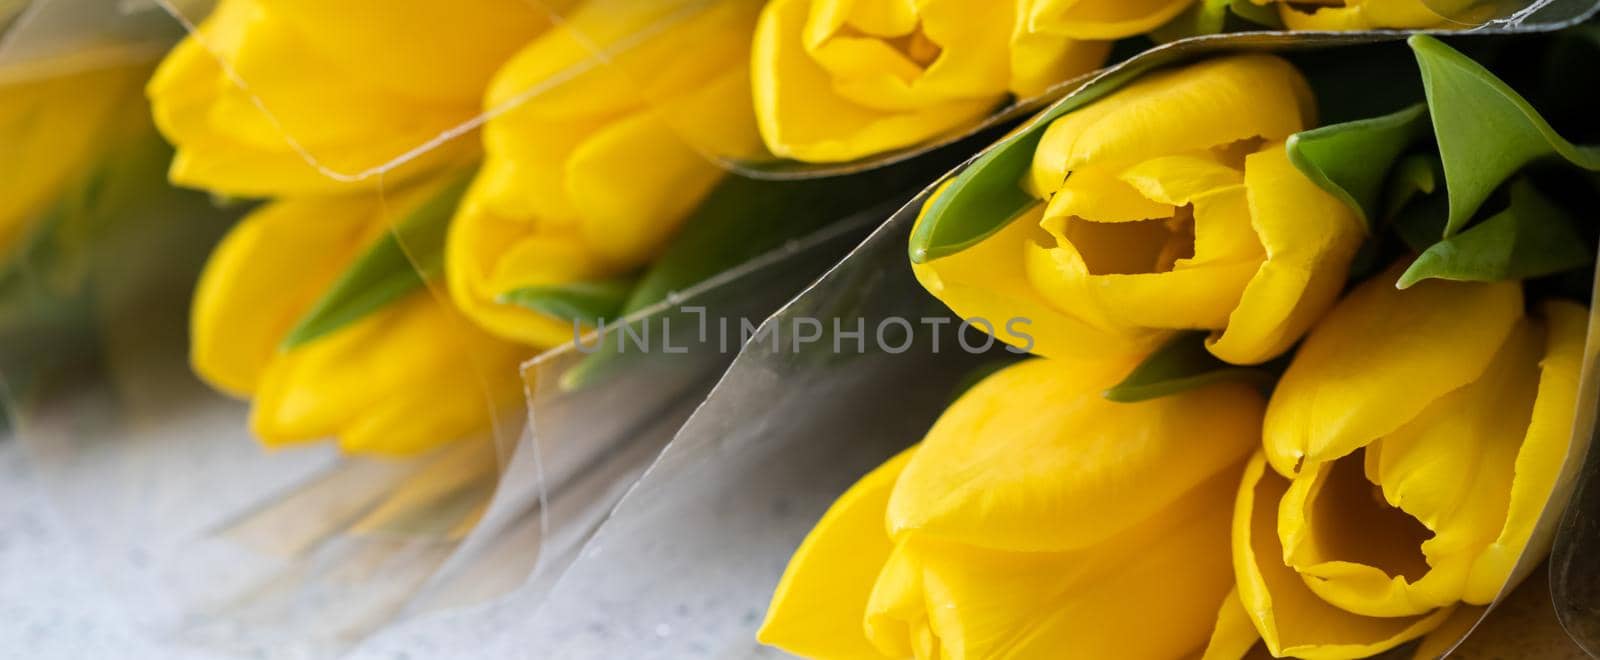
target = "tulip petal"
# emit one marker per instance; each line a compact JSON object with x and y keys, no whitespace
{"x":819,"y":605}
{"x":990,"y":281}
{"x":1179,"y":179}
{"x":1292,"y":620}
{"x":487,"y":256}
{"x":965,"y":43}
{"x":1363,"y":15}
{"x":1099,"y":602}
{"x":1135,"y":297}
{"x":371,"y":385}
{"x":431,"y":51}
{"x":897,"y":610}
{"x":1223,"y":230}
{"x":1098,"y":194}
{"x":1037,"y":442}
{"x":1042,"y":61}
{"x":628,"y":219}
{"x":1310,"y":238}
{"x":1107,"y":258}
{"x":263,"y":277}
{"x":1234,"y":636}
{"x":227,"y":140}
{"x":1379,"y":358}
{"x":1451,"y":470}
{"x":1544,"y":451}
{"x":1221,"y":101}
{"x":1355,"y":551}
{"x":1103,"y":19}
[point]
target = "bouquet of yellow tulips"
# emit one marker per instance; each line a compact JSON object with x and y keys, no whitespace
{"x":1239,"y":328}
{"x":1303,"y":388}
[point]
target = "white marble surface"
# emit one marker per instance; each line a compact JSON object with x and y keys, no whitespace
{"x":50,"y":606}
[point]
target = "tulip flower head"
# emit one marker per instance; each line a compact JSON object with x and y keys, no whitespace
{"x":837,"y":80}
{"x":51,"y":130}
{"x":1035,"y":520}
{"x":1410,"y":449}
{"x":593,"y":165}
{"x":289,"y":97}
{"x":402,"y":379}
{"x":1170,"y":204}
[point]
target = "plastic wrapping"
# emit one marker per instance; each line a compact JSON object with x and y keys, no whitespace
{"x":686,"y":563}
{"x":210,"y":541}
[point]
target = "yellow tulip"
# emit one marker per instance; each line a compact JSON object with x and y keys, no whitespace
{"x":837,"y":80}
{"x":51,"y":130}
{"x":349,"y":86}
{"x":1380,"y":14}
{"x":593,"y":165}
{"x":1170,"y":204}
{"x":1413,"y":444}
{"x":1035,"y":520}
{"x":400,"y":380}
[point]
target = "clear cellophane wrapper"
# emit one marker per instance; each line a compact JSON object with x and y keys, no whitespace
{"x":685,"y":565}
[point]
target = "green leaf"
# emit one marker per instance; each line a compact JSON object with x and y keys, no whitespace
{"x":1350,"y":160}
{"x":1485,"y":130}
{"x":1531,"y":238}
{"x":1181,"y":364}
{"x":385,"y":272}
{"x":584,"y":302}
{"x":987,"y":194}
{"x":1414,"y":176}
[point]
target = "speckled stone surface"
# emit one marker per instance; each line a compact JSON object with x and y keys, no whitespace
{"x":49,"y":606}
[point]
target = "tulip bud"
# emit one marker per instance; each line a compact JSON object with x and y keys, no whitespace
{"x":400,"y":380}
{"x":1168,"y":205}
{"x":836,"y":81}
{"x":309,"y":97}
{"x":1036,"y":519}
{"x":1413,"y":444}
{"x":595,"y":164}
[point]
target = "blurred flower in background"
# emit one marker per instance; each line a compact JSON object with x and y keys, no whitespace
{"x":305,"y":97}
{"x":836,"y":81}
{"x":317,"y":305}
{"x":601,"y":151}
{"x":405,"y":377}
{"x":53,"y":128}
